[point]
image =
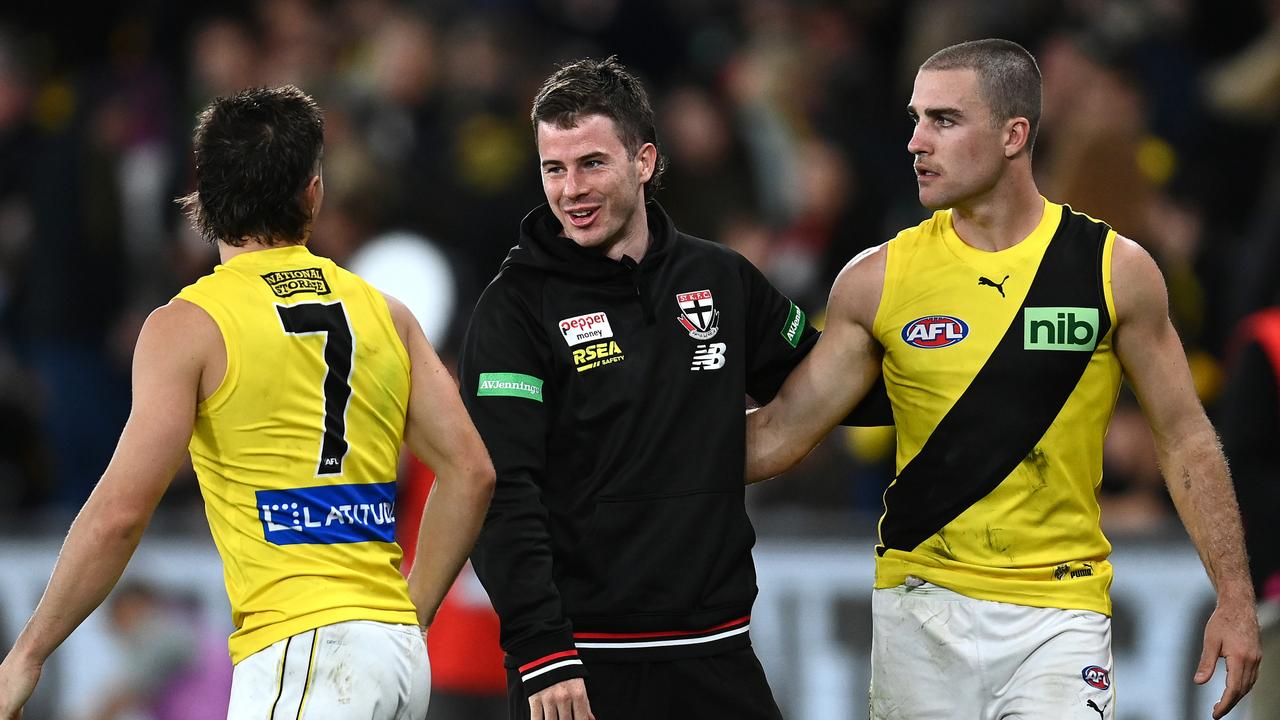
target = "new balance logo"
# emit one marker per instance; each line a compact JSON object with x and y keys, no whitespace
{"x":999,"y":286}
{"x":708,"y":357}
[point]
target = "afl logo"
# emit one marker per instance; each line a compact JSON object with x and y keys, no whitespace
{"x":1098,"y":677}
{"x":935,"y":331}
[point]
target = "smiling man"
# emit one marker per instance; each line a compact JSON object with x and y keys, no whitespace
{"x":1004,"y":325}
{"x":606,"y":367}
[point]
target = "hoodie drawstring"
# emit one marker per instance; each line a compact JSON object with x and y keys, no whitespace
{"x":642,"y":289}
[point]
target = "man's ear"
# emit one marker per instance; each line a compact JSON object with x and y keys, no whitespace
{"x":1017,"y":136}
{"x":314,"y":194}
{"x":647,"y":161}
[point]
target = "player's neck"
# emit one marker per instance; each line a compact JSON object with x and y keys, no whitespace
{"x":1000,"y":219}
{"x":635,"y":242}
{"x":226,"y":251}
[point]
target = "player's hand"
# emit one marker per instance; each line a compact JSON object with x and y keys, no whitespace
{"x":17,"y":682}
{"x":1232,"y":633}
{"x":565,"y":700}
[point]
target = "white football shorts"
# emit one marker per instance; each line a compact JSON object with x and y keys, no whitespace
{"x":938,"y":655}
{"x":356,"y":670}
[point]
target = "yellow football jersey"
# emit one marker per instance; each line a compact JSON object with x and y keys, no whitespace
{"x":1002,"y":377}
{"x":297,"y":450}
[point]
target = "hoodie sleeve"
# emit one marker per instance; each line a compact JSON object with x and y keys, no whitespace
{"x":504,"y":370}
{"x":779,"y":336}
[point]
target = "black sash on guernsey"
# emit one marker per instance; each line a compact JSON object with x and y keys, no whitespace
{"x":1010,"y":403}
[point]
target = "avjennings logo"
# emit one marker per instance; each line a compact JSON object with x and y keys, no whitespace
{"x":793,"y":328}
{"x":698,"y":314}
{"x":291,"y":282}
{"x":328,"y":514}
{"x":510,"y":385}
{"x":935,"y":331}
{"x":1059,"y":328}
{"x":592,"y":326}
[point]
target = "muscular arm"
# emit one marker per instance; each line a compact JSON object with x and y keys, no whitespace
{"x":1192,"y":462}
{"x":170,"y":355}
{"x":829,"y":382}
{"x":440,"y":433}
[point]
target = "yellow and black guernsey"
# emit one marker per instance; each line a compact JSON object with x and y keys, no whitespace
{"x":1002,"y":377}
{"x":296,"y":452}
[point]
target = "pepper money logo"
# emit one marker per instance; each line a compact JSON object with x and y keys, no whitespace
{"x":592,"y":326}
{"x":291,"y":282}
{"x":698,"y":314}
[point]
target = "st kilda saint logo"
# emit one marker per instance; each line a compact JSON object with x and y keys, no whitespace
{"x":698,"y":314}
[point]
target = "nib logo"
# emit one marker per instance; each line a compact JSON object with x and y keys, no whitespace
{"x":1060,"y":328}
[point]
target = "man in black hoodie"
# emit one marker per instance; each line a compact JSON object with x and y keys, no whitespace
{"x":606,"y":367}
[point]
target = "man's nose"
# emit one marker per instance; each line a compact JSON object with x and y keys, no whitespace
{"x":917,"y":145}
{"x":573,"y":185}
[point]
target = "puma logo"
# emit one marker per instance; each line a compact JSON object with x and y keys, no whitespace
{"x":1094,"y":705}
{"x":999,"y":286}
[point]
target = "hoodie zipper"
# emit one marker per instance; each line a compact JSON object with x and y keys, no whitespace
{"x":641,"y":285}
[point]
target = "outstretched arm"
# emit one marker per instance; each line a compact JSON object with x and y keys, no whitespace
{"x":1192,"y":462}
{"x":167,"y":363}
{"x":830,"y":381}
{"x":440,"y":433}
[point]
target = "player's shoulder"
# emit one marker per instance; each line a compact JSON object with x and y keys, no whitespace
{"x":857,"y":288}
{"x":177,"y":314}
{"x":1138,"y":284}
{"x":514,"y":295}
{"x":179,"y":328}
{"x":867,"y":267}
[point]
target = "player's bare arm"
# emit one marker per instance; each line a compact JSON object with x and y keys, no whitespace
{"x":829,"y":382}
{"x":168,"y":363}
{"x":440,"y":433}
{"x":1192,"y":463}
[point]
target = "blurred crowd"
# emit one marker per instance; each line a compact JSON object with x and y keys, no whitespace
{"x":784,"y":122}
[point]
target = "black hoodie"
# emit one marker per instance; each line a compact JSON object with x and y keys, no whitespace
{"x":611,"y":395}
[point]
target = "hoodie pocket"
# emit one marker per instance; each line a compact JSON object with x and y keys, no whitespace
{"x":672,"y":554}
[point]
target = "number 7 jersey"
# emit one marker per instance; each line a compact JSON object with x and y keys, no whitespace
{"x":297,"y":450}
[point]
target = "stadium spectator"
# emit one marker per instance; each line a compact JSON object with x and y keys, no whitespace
{"x":295,"y":431}
{"x":1004,"y":325}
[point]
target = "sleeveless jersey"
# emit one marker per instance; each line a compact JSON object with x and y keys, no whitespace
{"x":1002,"y":377}
{"x":297,"y":450}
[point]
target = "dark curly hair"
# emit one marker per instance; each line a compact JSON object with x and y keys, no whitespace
{"x":600,"y":87}
{"x":255,"y":153}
